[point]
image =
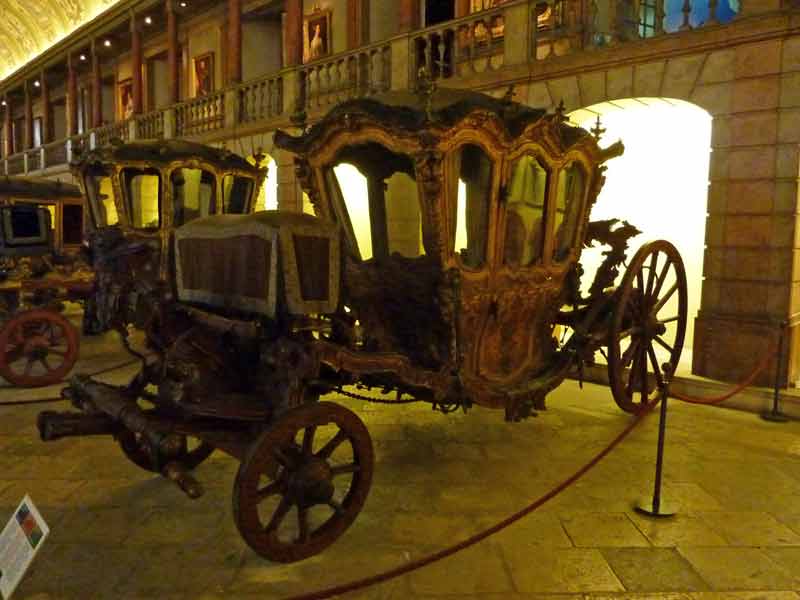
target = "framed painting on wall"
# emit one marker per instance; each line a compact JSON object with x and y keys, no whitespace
{"x":125,"y":96}
{"x":203,"y":67}
{"x":316,"y":35}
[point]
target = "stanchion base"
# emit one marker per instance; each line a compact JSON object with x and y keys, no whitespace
{"x":775,"y":417}
{"x":665,"y":509}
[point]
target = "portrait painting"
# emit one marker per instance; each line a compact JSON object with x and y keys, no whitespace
{"x":316,"y":35}
{"x":125,"y":99}
{"x":204,"y":74}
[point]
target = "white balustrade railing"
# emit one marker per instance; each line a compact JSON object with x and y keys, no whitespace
{"x":150,"y":126}
{"x":260,"y":99}
{"x":119,"y":130}
{"x":360,"y":72}
{"x":200,"y":115}
{"x":55,"y":153}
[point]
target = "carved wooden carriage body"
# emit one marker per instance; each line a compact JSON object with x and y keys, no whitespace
{"x":442,"y":257}
{"x":500,"y":195}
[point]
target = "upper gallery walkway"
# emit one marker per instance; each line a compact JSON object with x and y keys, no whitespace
{"x":518,"y":42}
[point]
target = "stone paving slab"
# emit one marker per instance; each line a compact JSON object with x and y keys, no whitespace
{"x":119,"y":532}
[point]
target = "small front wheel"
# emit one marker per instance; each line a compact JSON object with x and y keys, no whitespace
{"x":303,"y":482}
{"x":37,"y":347}
{"x":648,"y":324}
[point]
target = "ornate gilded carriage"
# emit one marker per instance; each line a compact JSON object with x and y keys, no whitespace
{"x":440,"y":264}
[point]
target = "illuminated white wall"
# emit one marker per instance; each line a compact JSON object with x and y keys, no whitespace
{"x":268,"y":197}
{"x":660,"y":184}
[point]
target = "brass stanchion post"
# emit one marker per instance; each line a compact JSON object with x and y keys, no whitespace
{"x":775,"y":415}
{"x":656,"y":507}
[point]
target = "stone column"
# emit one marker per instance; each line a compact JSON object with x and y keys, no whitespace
{"x":750,"y":275}
{"x":234,"y":70}
{"x":28,"y":116}
{"x":8,"y":141}
{"x":136,"y":66}
{"x":293,"y":33}
{"x":172,"y":54}
{"x":97,"y":88}
{"x":47,"y":123}
{"x":72,"y":98}
{"x":408,"y":16}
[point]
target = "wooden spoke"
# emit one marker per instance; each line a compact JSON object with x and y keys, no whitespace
{"x":633,"y":373}
{"x":628,"y":354}
{"x":654,"y":362}
{"x":283,"y":508}
{"x":267,"y":491}
{"x":662,"y":278}
{"x":669,"y":320}
{"x":342,"y":469}
{"x":660,"y":304}
{"x":282,"y":459}
{"x":308,"y":440}
{"x":331,"y":445}
{"x":302,"y":525}
{"x":663,"y":344}
{"x":644,"y":391}
{"x":29,"y":366}
{"x":640,"y":281}
{"x":650,"y":274}
{"x":56,"y":352}
{"x":45,"y":364}
{"x":337,"y":508}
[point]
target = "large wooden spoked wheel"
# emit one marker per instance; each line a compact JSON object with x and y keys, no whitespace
{"x":37,"y":347}
{"x":189,"y":451}
{"x":303,"y":482}
{"x":648,"y":324}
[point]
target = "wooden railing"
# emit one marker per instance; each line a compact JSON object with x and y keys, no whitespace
{"x":360,"y":72}
{"x":15,"y":164}
{"x":200,"y":115}
{"x":260,"y":99}
{"x":150,"y":126}
{"x":54,"y":154}
{"x":119,"y":130}
{"x":34,"y":159}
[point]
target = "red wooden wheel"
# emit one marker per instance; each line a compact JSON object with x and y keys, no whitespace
{"x":648,"y":325}
{"x":37,"y":347}
{"x":303,"y":482}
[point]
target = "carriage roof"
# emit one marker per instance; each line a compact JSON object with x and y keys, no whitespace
{"x":37,"y":188}
{"x":439,"y":111}
{"x":160,"y":153}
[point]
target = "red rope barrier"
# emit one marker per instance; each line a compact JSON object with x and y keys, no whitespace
{"x":710,"y":401}
{"x":358,"y":584}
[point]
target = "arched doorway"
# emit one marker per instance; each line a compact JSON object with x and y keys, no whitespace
{"x":268,"y":196}
{"x":660,"y":184}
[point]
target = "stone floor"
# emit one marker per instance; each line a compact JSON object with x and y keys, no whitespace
{"x":118,"y":532}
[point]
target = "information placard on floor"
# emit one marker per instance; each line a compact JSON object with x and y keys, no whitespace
{"x":21,"y":539}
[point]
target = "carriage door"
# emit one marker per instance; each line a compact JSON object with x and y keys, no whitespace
{"x":471,"y":175}
{"x":517,"y":314}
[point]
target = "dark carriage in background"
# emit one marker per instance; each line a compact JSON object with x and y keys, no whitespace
{"x":41,"y":232}
{"x":442,"y":263}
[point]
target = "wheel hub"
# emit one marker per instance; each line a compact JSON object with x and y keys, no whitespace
{"x":311,"y":483}
{"x":36,"y":347}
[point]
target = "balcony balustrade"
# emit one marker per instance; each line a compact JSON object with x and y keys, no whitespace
{"x":486,"y":42}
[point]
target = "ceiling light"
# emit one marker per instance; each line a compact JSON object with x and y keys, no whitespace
{"x":2,"y":103}
{"x":183,"y":5}
{"x":36,"y":83}
{"x":83,"y":57}
{"x":148,"y":20}
{"x":107,"y":43}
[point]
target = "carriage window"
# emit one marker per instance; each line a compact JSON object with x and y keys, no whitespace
{"x":568,"y":208}
{"x":72,"y":223}
{"x":377,"y":190}
{"x":101,"y":198}
{"x":236,"y":192}
{"x":143,"y":195}
{"x":194,"y":194}
{"x":525,"y":216}
{"x":474,"y":194}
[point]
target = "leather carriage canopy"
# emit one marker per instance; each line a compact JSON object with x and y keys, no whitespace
{"x":230,"y":263}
